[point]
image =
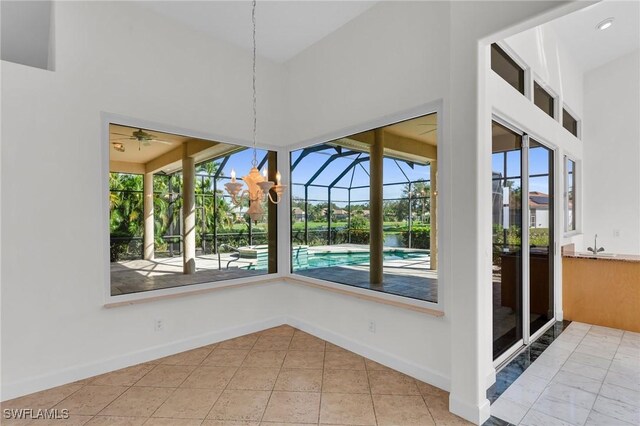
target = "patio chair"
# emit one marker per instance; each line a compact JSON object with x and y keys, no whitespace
{"x":234,"y":256}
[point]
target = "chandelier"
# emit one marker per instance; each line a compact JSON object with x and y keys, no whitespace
{"x":259,"y":187}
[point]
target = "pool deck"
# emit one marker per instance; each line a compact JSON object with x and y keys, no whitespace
{"x":360,"y":248}
{"x":403,"y":277}
{"x":134,"y":276}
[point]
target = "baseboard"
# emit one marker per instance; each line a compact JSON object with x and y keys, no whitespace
{"x":68,"y":375}
{"x":474,"y":414}
{"x":71,"y":374}
{"x":407,"y":367}
{"x":491,"y":377}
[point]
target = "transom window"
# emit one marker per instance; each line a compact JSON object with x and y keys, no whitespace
{"x":507,"y":68}
{"x":569,"y":122}
{"x":543,"y":100}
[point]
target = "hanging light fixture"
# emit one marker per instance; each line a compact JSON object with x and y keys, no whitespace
{"x":258,"y":186}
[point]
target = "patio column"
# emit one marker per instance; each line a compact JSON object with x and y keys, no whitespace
{"x":433,"y":211}
{"x":376,"y":220}
{"x":148,"y":236}
{"x":188,"y":213}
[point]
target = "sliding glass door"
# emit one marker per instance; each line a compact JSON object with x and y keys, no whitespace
{"x":541,"y":227}
{"x":507,"y":238}
{"x":522,"y":192}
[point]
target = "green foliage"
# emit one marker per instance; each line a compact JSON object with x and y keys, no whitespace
{"x":420,"y":237}
{"x":126,"y":223}
{"x":359,"y":222}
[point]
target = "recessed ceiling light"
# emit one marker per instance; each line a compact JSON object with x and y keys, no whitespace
{"x":605,"y":24}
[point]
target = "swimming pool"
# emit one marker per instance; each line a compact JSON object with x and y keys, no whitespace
{"x":323,"y":260}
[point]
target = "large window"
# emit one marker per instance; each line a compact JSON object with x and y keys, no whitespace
{"x":364,"y":210}
{"x":507,"y":68}
{"x":570,"y":195}
{"x":171,"y":221}
{"x":543,"y":100}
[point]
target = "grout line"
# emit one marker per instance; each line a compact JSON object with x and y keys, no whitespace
{"x":366,"y":371}
{"x":324,"y":360}
{"x":234,"y":374}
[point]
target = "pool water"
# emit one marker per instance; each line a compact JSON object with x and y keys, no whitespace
{"x":323,"y":260}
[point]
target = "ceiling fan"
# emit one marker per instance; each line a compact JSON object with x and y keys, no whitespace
{"x":143,"y":138}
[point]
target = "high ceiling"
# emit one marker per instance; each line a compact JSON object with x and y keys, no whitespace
{"x":284,"y":28}
{"x":591,"y":48}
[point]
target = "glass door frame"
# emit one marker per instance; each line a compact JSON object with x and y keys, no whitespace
{"x":527,"y":337}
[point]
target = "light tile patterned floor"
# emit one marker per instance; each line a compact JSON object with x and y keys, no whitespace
{"x":280,"y":376}
{"x":589,"y":375}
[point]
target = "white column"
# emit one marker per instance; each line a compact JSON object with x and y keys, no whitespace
{"x":188,"y":213}
{"x":149,"y":245}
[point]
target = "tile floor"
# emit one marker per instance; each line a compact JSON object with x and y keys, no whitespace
{"x":589,"y":375}
{"x":281,"y":376}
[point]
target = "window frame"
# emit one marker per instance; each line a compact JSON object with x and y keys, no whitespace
{"x":511,"y":55}
{"x":110,"y":300}
{"x":549,"y":91}
{"x":436,"y":309}
{"x":575,"y":230}
{"x":570,"y":112}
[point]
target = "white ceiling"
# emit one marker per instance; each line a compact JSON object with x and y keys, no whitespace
{"x":284,"y":28}
{"x":590,"y":47}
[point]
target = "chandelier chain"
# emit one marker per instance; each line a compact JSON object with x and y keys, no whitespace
{"x":255,"y":112}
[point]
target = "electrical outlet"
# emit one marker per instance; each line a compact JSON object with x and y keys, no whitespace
{"x":158,"y":324}
{"x":616,"y":233}
{"x":372,"y":326}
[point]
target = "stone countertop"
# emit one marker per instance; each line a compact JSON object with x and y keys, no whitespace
{"x":606,"y":256}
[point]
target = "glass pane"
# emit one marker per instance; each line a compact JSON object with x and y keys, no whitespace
{"x":571,"y":202}
{"x":507,"y":242}
{"x":543,"y":99}
{"x":569,"y":123}
{"x":506,"y":68}
{"x":540,"y":236}
{"x":331,"y":220}
{"x":148,"y":240}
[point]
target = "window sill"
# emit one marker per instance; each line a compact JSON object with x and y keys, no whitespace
{"x":370,"y":295}
{"x":571,"y":234}
{"x":193,"y":289}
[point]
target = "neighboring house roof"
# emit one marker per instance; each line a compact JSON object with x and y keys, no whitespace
{"x":298,"y":210}
{"x":538,"y":200}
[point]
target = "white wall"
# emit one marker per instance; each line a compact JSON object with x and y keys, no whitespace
{"x":611,"y":167}
{"x":551,"y":63}
{"x":26,"y":33}
{"x":111,"y":57}
{"x":392,"y":58}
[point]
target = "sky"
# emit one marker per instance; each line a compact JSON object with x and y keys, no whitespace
{"x":393,"y":172}
{"x":538,"y":165}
